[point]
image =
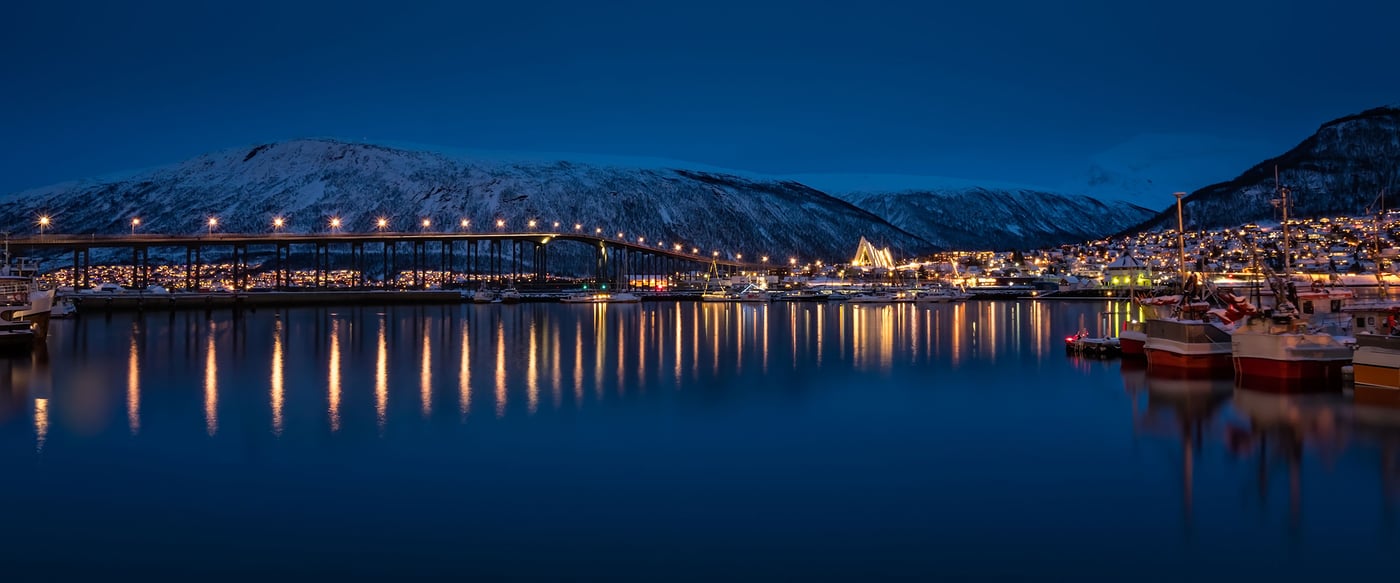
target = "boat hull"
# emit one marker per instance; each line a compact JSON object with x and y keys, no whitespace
{"x":1131,"y":343}
{"x":1189,"y":348}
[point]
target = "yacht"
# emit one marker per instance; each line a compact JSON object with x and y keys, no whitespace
{"x":601,"y":297}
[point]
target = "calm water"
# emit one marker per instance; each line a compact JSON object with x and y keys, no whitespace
{"x":668,"y":441}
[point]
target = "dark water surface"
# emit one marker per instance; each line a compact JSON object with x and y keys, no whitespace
{"x":668,"y":441}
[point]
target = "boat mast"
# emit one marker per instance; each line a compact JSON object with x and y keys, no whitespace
{"x":1283,"y":195}
{"x":1180,"y":241}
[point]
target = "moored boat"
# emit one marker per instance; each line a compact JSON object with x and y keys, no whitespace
{"x":601,"y":297}
{"x":1280,"y":353}
{"x":1376,"y":370}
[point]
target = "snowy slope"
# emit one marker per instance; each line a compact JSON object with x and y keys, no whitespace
{"x":981,"y":218}
{"x":1148,"y":168}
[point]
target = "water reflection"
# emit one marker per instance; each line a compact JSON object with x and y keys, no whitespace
{"x":133,"y":384}
{"x":381,"y":376}
{"x":333,"y":378}
{"x":211,"y":385}
{"x":278,"y":395}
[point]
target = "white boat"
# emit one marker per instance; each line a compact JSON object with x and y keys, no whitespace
{"x":483,"y":296}
{"x":871,"y":297}
{"x":601,"y":297}
{"x":510,"y":296}
{"x":750,"y":293}
{"x":24,"y":308}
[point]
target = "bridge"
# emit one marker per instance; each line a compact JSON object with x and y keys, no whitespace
{"x":482,"y":255}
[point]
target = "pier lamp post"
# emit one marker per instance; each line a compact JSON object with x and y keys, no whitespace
{"x":213,"y":222}
{"x":44,"y":223}
{"x":278,"y":223}
{"x":135,"y":222}
{"x":381,"y":224}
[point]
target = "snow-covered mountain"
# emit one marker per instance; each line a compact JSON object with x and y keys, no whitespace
{"x":971,"y":217}
{"x":1341,"y":169}
{"x":310,"y":181}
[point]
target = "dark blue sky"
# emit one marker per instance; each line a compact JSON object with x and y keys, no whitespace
{"x":1017,"y":91}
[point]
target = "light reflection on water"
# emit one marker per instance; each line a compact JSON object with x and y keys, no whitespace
{"x":863,"y":427}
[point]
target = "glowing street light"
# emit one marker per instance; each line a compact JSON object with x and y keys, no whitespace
{"x":466,"y":223}
{"x":578,"y":227}
{"x":43,"y":224}
{"x":556,"y":224}
{"x":278,"y":223}
{"x":213,"y":222}
{"x":764,"y":259}
{"x":678,"y":247}
{"x":792,"y":261}
{"x":739,"y":256}
{"x":715,"y":254}
{"x":382,"y":223}
{"x":135,"y":222}
{"x":531,"y":223}
{"x":598,"y":231}
{"x":619,"y":234}
{"x":694,"y":251}
{"x":500,"y":223}
{"x":335,"y":223}
{"x":641,"y":239}
{"x":427,"y":223}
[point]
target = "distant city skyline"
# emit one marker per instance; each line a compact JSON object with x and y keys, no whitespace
{"x":1022,"y":92}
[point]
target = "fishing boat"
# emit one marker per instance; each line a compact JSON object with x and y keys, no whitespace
{"x":1283,"y":350}
{"x":1185,"y":338}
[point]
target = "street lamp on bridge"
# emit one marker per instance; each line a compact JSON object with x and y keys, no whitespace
{"x":335,"y":224}
{"x":213,"y":222}
{"x":500,"y":223}
{"x":466,"y":223}
{"x":427,"y":223}
{"x":531,"y":223}
{"x":278,"y":223}
{"x":135,"y":222}
{"x":43,"y":225}
{"x":381,"y":224}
